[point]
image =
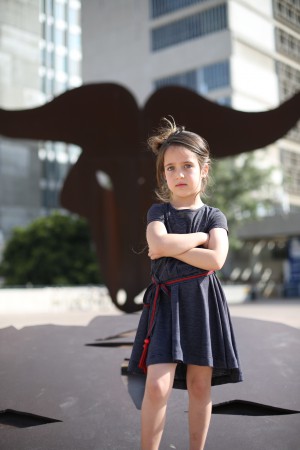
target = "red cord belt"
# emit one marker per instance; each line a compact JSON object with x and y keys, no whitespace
{"x":158,"y":288}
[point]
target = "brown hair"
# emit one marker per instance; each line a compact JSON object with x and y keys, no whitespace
{"x":171,"y":134}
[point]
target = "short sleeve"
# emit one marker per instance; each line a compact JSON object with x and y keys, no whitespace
{"x":217,"y":220}
{"x":156,"y":212}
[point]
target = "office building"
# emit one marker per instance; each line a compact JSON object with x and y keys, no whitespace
{"x":19,"y":88}
{"x":240,"y":53}
{"x":59,"y":70}
{"x":40,"y":53}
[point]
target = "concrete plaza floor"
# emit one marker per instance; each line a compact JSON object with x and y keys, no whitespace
{"x":56,"y":364}
{"x":286,"y":311}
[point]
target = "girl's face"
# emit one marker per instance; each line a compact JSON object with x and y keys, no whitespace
{"x":183,"y":174}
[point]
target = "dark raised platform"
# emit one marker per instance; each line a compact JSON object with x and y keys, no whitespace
{"x":68,"y":379}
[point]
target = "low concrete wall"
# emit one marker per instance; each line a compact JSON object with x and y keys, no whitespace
{"x":237,"y":293}
{"x":55,"y":299}
{"x":85,"y":299}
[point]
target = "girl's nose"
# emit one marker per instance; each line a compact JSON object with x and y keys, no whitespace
{"x":180,"y":174}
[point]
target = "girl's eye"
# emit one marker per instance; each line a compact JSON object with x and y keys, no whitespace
{"x":188,"y":166}
{"x":170,"y":168}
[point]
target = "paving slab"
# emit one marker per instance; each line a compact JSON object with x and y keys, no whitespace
{"x":50,"y":371}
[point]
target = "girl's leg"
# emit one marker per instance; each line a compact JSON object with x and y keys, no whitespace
{"x":199,"y":389}
{"x":159,"y":384}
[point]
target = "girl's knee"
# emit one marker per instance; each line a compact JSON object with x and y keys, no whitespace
{"x":157,"y":390}
{"x":198,"y":388}
{"x":159,"y":382}
{"x":199,"y":384}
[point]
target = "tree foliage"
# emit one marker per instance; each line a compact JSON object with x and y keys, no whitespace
{"x":53,"y":250}
{"x":241,"y":190}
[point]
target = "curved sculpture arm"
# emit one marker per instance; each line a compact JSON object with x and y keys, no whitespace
{"x":105,"y":112}
{"x":87,"y":116}
{"x":228,"y":131}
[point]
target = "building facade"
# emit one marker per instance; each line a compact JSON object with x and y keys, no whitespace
{"x":19,"y":88}
{"x":40,"y":53}
{"x":240,"y":53}
{"x":59,"y":70}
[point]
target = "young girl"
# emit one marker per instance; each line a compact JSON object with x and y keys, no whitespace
{"x":185,"y":329}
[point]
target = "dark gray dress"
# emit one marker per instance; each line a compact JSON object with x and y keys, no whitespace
{"x":191,"y":321}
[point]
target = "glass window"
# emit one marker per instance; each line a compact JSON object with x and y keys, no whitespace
{"x":62,"y":170}
{"x":216,"y":75}
{"x":74,"y":153}
{"x":60,"y":63}
{"x":74,"y":16}
{"x":201,"y":80}
{"x":60,"y":87}
{"x":49,"y":32}
{"x":43,"y":29}
{"x":50,"y":198}
{"x":43,"y":83}
{"x":44,"y":168}
{"x":60,"y":11}
{"x":49,"y":85}
{"x":187,"y":79}
{"x":49,"y":7}
{"x":60,"y":36}
{"x":291,"y":168}
{"x":161,"y":7}
{"x":191,"y":27}
{"x":287,"y":44}
{"x":50,"y":59}
{"x":74,"y":41}
{"x":61,"y":152}
{"x":43,"y":59}
{"x":289,"y":84}
{"x":287,"y":12}
{"x":224,"y":101}
{"x":74,"y":67}
{"x":42,"y":6}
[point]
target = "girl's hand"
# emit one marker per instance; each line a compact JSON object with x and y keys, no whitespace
{"x":212,"y":258}
{"x":152,"y":255}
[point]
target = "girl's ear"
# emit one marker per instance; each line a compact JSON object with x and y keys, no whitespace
{"x":204,"y":170}
{"x":163,"y":177}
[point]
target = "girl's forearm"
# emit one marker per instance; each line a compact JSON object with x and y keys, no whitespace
{"x":203,"y":258}
{"x":175,"y":244}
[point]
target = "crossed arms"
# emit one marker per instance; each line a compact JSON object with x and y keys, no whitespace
{"x":184,"y":246}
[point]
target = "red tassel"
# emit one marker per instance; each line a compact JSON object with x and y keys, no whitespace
{"x":142,"y":362}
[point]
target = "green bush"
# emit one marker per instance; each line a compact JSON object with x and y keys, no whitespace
{"x":52,"y":250}
{"x":242,"y":190}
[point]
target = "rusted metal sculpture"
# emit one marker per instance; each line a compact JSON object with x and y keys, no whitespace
{"x":106,"y":122}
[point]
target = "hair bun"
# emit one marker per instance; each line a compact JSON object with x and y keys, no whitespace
{"x":163,"y":133}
